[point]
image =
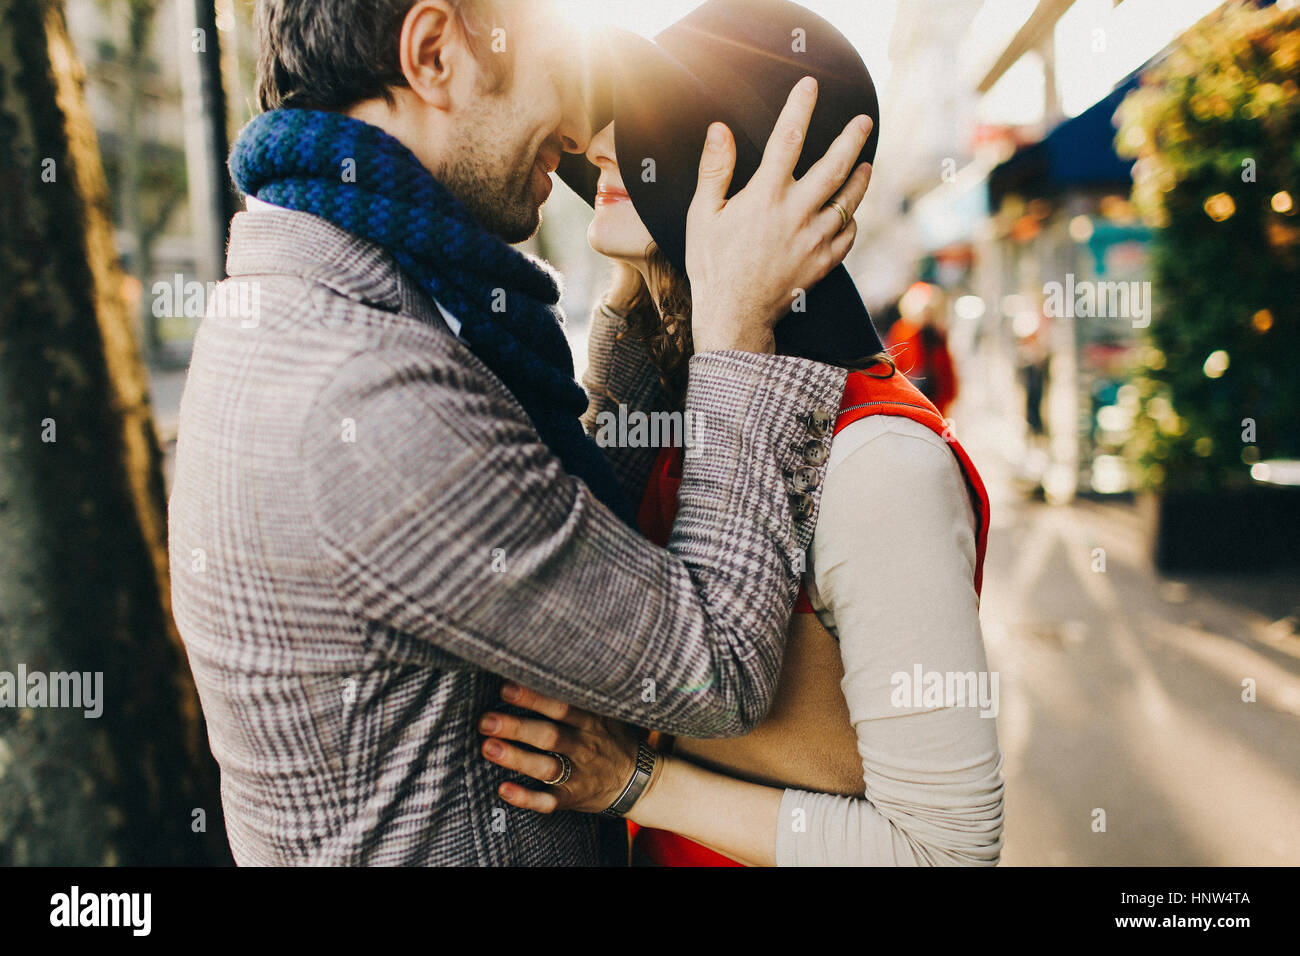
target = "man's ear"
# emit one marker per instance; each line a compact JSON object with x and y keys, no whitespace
{"x":431,"y":46}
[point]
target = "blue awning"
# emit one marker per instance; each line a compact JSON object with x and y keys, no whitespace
{"x":1078,"y":152}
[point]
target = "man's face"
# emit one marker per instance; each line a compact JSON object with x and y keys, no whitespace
{"x":509,"y":141}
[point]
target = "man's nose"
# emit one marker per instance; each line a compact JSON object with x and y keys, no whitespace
{"x":569,"y":64}
{"x":575,"y":129}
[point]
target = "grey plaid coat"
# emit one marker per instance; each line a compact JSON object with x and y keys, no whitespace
{"x":366,"y":533}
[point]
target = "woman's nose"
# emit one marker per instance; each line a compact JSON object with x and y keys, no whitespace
{"x":601,"y":150}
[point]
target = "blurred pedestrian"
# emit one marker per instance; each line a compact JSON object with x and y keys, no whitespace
{"x":919,"y":345}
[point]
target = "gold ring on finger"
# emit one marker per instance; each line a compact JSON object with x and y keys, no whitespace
{"x":844,"y":214}
{"x":566,"y":770}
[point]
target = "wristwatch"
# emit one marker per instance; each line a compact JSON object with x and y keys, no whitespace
{"x":646,"y":757}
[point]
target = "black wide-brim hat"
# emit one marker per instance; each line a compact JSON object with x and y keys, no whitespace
{"x":735,"y":61}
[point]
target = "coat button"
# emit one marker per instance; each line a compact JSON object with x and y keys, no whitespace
{"x":803,"y":506}
{"x":819,"y":422}
{"x":806,"y":478}
{"x":815,"y":453}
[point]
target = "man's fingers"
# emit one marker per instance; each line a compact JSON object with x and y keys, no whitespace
{"x":542,"y":734}
{"x":829,"y":220}
{"x":827,"y":175}
{"x":543,"y":801}
{"x":785,"y":145}
{"x":842,"y":244}
{"x":546,"y":706}
{"x":717,"y":165}
{"x":856,"y":188}
{"x":541,"y":767}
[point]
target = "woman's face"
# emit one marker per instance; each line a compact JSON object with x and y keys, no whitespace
{"x":616,"y":230}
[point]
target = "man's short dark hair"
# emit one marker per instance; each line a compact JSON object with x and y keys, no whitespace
{"x":333,"y":54}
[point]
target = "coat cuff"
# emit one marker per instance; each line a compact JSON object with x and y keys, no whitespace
{"x":761,"y":429}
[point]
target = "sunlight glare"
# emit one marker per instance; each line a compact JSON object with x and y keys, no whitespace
{"x":638,"y":16}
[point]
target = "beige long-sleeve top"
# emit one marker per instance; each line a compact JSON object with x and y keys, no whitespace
{"x":891,"y":575}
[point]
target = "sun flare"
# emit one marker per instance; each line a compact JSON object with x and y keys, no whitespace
{"x":638,"y":16}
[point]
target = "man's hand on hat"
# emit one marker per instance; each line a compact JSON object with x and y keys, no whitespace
{"x":749,"y":256}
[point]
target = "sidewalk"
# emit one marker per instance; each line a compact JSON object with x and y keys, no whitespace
{"x":1122,"y":692}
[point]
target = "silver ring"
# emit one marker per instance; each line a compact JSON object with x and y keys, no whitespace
{"x":844,"y":214}
{"x":566,"y":770}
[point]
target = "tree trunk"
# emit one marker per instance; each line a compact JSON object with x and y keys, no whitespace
{"x":217,"y":195}
{"x":83,"y":563}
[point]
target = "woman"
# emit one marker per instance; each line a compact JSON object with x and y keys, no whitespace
{"x":863,"y":758}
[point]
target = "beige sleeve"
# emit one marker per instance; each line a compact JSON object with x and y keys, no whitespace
{"x":892,"y":564}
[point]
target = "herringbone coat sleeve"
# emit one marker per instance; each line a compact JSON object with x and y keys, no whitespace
{"x":445,"y":519}
{"x":620,"y":372}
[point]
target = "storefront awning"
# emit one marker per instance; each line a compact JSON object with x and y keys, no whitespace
{"x":1078,"y":152}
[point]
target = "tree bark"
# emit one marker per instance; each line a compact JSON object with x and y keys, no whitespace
{"x":83,"y":564}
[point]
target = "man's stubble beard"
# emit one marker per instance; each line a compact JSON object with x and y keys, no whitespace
{"x":502,"y":202}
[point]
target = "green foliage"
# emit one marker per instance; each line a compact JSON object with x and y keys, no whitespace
{"x":1215,"y":127}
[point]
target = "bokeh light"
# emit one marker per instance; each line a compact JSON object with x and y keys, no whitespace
{"x":1216,"y":363}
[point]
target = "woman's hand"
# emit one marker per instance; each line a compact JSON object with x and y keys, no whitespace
{"x":601,"y":750}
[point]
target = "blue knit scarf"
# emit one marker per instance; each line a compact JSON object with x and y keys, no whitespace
{"x":364,"y":181}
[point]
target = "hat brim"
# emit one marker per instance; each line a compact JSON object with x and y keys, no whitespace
{"x":659,"y":150}
{"x":659,"y":158}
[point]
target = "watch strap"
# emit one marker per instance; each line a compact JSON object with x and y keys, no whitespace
{"x":646,"y":757}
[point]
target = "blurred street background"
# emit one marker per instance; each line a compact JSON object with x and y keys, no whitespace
{"x":1081,"y":239}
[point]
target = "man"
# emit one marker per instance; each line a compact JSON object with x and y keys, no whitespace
{"x":383,"y":501}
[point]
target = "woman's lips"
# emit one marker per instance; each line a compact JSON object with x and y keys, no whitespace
{"x":608,"y":196}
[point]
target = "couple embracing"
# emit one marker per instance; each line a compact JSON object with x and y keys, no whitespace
{"x":438,"y":624}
